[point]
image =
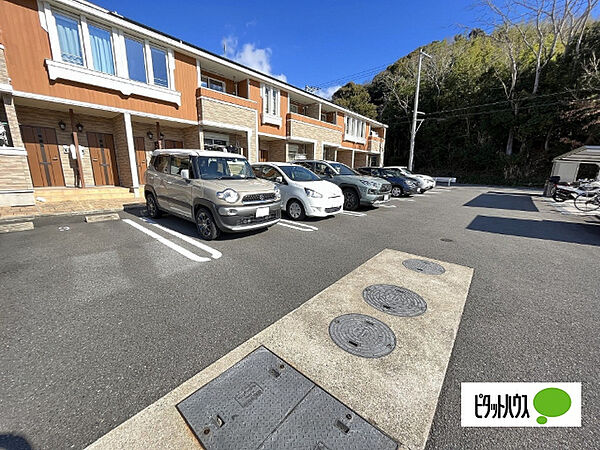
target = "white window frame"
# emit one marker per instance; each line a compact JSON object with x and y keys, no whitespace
{"x":216,"y":81}
{"x":88,"y":43}
{"x":354,"y":130}
{"x":87,"y":74}
{"x":271,"y":105}
{"x":82,"y":44}
{"x":167,"y":64}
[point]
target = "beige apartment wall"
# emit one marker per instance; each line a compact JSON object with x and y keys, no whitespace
{"x":314,"y":132}
{"x":214,"y":112}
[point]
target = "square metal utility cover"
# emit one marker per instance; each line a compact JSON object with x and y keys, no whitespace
{"x":263,"y":403}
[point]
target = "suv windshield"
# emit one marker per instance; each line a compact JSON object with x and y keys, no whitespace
{"x":222,"y":168}
{"x":299,"y":173}
{"x":343,"y":169}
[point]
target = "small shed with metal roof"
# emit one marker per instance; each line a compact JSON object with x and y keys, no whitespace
{"x":581,"y":163}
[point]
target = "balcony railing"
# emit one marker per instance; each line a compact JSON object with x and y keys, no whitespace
{"x":312,"y":121}
{"x":375,"y":144}
{"x":203,"y":92}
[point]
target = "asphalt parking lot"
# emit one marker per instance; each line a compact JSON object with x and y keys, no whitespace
{"x":100,"y":320}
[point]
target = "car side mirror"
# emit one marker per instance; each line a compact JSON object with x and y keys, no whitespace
{"x":185,"y":174}
{"x":278,"y":179}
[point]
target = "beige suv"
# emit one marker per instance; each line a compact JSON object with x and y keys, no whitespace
{"x":216,"y":190}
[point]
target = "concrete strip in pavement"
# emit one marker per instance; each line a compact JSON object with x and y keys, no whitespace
{"x":15,"y":226}
{"x":398,"y":392}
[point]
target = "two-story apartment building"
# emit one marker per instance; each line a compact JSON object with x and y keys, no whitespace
{"x":87,"y":95}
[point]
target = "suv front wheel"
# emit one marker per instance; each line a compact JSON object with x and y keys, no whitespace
{"x":152,"y":206}
{"x":207,"y":228}
{"x":351,"y":199}
{"x":397,"y":191}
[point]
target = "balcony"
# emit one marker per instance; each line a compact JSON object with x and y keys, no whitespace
{"x":211,"y":94}
{"x":307,"y":128}
{"x":375,"y":144}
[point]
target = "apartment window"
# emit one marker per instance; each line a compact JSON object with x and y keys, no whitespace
{"x":159,"y":67}
{"x":136,"y":62}
{"x":211,"y":83}
{"x":68,"y":37}
{"x":355,"y":128}
{"x":271,"y":101}
{"x":102,"y":50}
{"x":293,"y":108}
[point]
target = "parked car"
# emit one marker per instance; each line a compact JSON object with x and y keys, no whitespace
{"x":401,"y":185}
{"x":303,"y":193}
{"x":425,"y":181}
{"x":357,"y":189}
{"x":216,"y":190}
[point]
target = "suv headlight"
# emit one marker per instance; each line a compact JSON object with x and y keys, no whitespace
{"x":229,"y":195}
{"x":311,"y":193}
{"x":277,"y":192}
{"x":370,"y":184}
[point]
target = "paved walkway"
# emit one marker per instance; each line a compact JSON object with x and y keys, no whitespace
{"x":74,"y":207}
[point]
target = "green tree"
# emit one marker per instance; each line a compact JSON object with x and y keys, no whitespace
{"x":355,"y":97}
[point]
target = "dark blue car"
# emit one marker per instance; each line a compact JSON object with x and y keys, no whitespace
{"x":401,"y":185}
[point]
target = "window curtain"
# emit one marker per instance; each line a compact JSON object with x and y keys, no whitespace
{"x":102,"y":50}
{"x":159,"y":67}
{"x":68,"y":37}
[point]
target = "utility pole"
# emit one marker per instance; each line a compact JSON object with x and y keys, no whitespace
{"x":414,"y":129}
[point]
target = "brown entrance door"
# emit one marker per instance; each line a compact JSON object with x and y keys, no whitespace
{"x":43,"y":156}
{"x":263,"y":155}
{"x":140,"y":158}
{"x":169,"y":143}
{"x":104,"y":160}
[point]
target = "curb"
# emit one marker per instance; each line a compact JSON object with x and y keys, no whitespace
{"x":71,"y":213}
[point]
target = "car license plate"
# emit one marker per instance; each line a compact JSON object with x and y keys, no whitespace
{"x":386,"y":197}
{"x":263,"y":211}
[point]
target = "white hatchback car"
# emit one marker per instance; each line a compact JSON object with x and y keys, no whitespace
{"x":302,"y":192}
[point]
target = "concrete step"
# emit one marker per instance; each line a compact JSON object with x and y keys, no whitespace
{"x":52,"y":195}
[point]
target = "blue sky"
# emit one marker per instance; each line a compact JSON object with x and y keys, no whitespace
{"x":319,"y":43}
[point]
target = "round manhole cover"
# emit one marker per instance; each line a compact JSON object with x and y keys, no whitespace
{"x":422,"y":266}
{"x":395,"y":300}
{"x":362,"y":335}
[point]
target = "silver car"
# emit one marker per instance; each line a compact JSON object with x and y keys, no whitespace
{"x":216,"y":190}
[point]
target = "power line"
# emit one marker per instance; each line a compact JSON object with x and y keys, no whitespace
{"x":473,"y":114}
{"x":363,"y":73}
{"x":521,"y":99}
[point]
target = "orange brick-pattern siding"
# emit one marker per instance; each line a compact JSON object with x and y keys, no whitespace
{"x":14,"y":173}
{"x":360,"y":159}
{"x":345,"y":157}
{"x":276,"y":149}
{"x":37,"y":117}
{"x":191,"y":137}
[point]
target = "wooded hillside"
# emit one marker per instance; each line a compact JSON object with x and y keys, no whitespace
{"x":498,"y":105}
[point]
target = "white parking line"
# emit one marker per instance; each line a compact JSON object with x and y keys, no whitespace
{"x":387,"y":206}
{"x":162,"y":240}
{"x":404,"y":199}
{"x":214,"y":253}
{"x":352,"y":213}
{"x":303,"y":226}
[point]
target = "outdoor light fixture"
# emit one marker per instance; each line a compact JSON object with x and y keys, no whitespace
{"x":162,"y":136}
{"x":79,"y":127}
{"x":150,"y":135}
{"x":62,"y":125}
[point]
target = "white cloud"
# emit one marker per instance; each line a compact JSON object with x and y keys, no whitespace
{"x":249,"y":55}
{"x":327,"y":92}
